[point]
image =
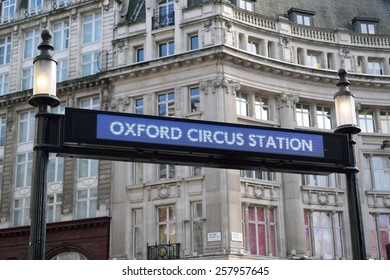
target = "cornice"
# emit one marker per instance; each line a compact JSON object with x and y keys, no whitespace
{"x":242,"y":59}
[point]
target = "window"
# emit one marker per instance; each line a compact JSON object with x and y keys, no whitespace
{"x":365,"y":25}
{"x":257,"y":174}
{"x":313,"y":60}
{"x":324,"y":234}
{"x":195,"y":171}
{"x":4,"y":84}
{"x":86,"y":203}
{"x":92,"y":27}
{"x":166,"y":104}
{"x":194,"y":42}
{"x":55,"y":169}
{"x":62,"y":70}
{"x":366,"y":120}
{"x":324,"y":117}
{"x":87,"y":168}
{"x":61,"y":35}
{"x":165,"y":16}
{"x":89,"y":64}
{"x":35,"y":7}
{"x":31,"y":42}
{"x":242,"y":104}
{"x":262,"y":108}
{"x":139,"y":106}
{"x":3,"y":126}
{"x":8,"y":11}
{"x":26,"y":127}
{"x":166,"y":224}
{"x":23,"y":170}
{"x":92,"y":103}
{"x":321,"y":180}
{"x":197,"y":227}
{"x":380,"y":235}
{"x":5,"y":50}
{"x":375,"y":66}
{"x":27,"y":78}
{"x":377,"y":172}
{"x":246,"y":5}
{"x":385,"y":121}
{"x":166,"y":171}
{"x":140,"y":56}
{"x":253,"y":47}
{"x":53,"y":207}
{"x":138,"y":234}
{"x":303,"y":115}
{"x":138,"y":173}
{"x":367,"y":28}
{"x":69,"y":256}
{"x":260,"y":230}
{"x":194,"y":99}
{"x":21,"y":213}
{"x":302,"y":17}
{"x":166,"y":48}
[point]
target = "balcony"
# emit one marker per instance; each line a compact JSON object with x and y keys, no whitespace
{"x":163,"y":251}
{"x":162,"y":20}
{"x":58,"y":4}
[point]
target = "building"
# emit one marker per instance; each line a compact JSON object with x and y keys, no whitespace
{"x":266,"y":63}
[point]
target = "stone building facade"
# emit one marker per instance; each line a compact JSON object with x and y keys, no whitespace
{"x":264,"y":63}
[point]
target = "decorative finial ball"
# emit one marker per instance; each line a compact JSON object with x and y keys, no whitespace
{"x":46,"y":35}
{"x":342,"y":72}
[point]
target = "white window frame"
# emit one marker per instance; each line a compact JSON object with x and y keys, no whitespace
{"x":58,"y":164}
{"x":194,"y":99}
{"x":4,"y":84}
{"x":23,"y":209}
{"x":139,"y":104}
{"x":94,"y":22}
{"x":167,"y":102}
{"x":89,"y":63}
{"x":5,"y":50}
{"x":197,"y":227}
{"x":61,"y":31}
{"x":3,"y":129}
{"x":8,"y":11}
{"x":242,"y":104}
{"x":324,"y":117}
{"x":367,"y":121}
{"x":53,"y":207}
{"x":169,"y":173}
{"x":28,"y":128}
{"x":89,"y":202}
{"x":27,"y":78}
{"x":62,"y":70}
{"x":169,"y":224}
{"x":23,"y":172}
{"x":31,"y":41}
{"x":137,"y":233}
{"x":303,"y":115}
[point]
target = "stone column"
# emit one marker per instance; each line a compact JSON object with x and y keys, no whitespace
{"x":292,"y":201}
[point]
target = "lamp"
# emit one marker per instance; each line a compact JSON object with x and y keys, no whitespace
{"x":346,"y":124}
{"x":44,"y":89}
{"x":345,"y":106}
{"x":44,"y":95}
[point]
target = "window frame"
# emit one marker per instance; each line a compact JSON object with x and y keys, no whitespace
{"x":166,"y":228}
{"x":269,"y":234}
{"x":94,"y":22}
{"x":91,"y":210}
{"x":166,"y":102}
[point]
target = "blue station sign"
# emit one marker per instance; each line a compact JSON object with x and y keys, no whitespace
{"x":203,"y":135}
{"x":185,"y":141}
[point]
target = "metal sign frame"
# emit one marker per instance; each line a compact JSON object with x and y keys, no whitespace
{"x":83,"y":136}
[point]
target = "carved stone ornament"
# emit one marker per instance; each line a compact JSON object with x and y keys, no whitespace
{"x":208,"y":23}
{"x":323,"y":198}
{"x":258,"y":191}
{"x":288,"y":99}
{"x":163,"y":191}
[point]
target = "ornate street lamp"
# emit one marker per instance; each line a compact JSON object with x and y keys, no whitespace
{"x":346,"y":123}
{"x":44,"y":95}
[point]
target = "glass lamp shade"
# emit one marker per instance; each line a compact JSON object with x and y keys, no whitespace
{"x":345,"y":109}
{"x":44,"y":77}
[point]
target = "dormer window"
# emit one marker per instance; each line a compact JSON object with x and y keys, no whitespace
{"x":302,"y":17}
{"x":248,"y":5}
{"x":365,"y":25}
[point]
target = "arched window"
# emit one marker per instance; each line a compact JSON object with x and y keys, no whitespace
{"x":70,"y":256}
